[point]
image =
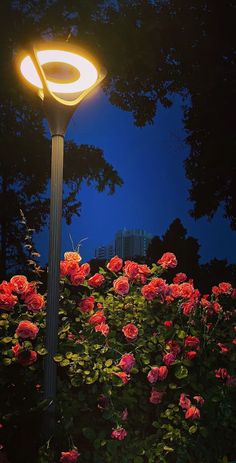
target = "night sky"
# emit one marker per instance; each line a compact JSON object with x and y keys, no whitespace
{"x":155,"y":190}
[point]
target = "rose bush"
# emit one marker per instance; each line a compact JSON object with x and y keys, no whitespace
{"x":146,"y":367}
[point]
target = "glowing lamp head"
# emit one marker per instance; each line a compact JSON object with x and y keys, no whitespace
{"x":85,"y":72}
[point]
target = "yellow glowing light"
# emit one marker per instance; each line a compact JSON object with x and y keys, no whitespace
{"x":88,"y":74}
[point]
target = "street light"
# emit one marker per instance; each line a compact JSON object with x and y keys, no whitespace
{"x":62,"y":75}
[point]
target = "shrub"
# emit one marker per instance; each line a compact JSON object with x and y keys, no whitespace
{"x":146,"y":369}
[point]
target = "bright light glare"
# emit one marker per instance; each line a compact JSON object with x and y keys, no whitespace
{"x":88,"y":72}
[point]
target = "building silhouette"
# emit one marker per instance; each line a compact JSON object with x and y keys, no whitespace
{"x":127,"y":245}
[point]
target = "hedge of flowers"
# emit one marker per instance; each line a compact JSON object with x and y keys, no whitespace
{"x":146,"y":368}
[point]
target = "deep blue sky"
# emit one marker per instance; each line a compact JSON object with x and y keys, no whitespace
{"x":155,"y":190}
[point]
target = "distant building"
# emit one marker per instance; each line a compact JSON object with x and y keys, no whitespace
{"x":104,"y":252}
{"x":131,"y":243}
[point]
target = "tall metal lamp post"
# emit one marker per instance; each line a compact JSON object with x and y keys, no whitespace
{"x":62,"y":75}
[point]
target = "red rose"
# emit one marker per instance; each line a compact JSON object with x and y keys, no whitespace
{"x":191,"y":354}
{"x":115,"y":264}
{"x":173,"y":346}
{"x":225,"y":288}
{"x":102,"y":328}
{"x":85,"y":269}
{"x":123,"y":376}
{"x":193,"y":413}
{"x":191,"y":341}
{"x":96,"y":280}
{"x":144,"y":270}
{"x":168,"y":260}
{"x":168,"y":323}
{"x":35,"y":302}
{"x":72,"y":257}
{"x":131,"y":269}
{"x":216,"y":307}
{"x":153,"y":375}
{"x":149,"y":292}
{"x":69,"y":457}
{"x":184,"y":401}
{"x":27,"y":330}
{"x":223,"y":349}
{"x":127,"y":362}
{"x":174,"y":290}
{"x":160,"y":285}
{"x":163,"y":372}
{"x":77,"y":278}
{"x":156,"y":396}
{"x":119,"y":433}
{"x":87,"y":304}
{"x":179,"y":278}
{"x":97,"y":318}
{"x":7,"y":301}
{"x":20,"y":283}
{"x":24,"y":357}
{"x":121,"y":286}
{"x":186,"y":290}
{"x":130,"y":331}
{"x":6,"y":287}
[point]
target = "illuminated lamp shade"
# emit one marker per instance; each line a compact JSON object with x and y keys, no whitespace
{"x":65,"y":72}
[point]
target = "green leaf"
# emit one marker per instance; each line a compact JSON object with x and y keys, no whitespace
{"x":192,"y":429}
{"x":7,"y":362}
{"x":58,"y":358}
{"x":108,"y":362}
{"x":181,"y":334}
{"x":181,"y":372}
{"x":65,"y":363}
{"x":7,"y":339}
{"x":42,"y":351}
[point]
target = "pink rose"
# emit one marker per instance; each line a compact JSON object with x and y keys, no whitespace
{"x":20,"y":283}
{"x":153,"y":375}
{"x":127,"y":362}
{"x":169,"y":358}
{"x":221,"y":373}
{"x":199,"y":399}
{"x":121,"y":286}
{"x":102,"y":328}
{"x":156,"y":396}
{"x":192,"y":413}
{"x":69,"y":457}
{"x":160,"y":285}
{"x":184,"y":401}
{"x":87,"y":304}
{"x":115,"y":264}
{"x":168,"y":260}
{"x":124,"y":415}
{"x":97,"y":318}
{"x":96,"y":280}
{"x":130,"y":331}
{"x":119,"y":433}
{"x":35,"y":302}
{"x":27,"y":330}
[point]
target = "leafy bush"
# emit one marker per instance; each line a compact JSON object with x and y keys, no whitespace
{"x":145,"y":368}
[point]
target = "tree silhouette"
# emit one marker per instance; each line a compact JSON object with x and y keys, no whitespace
{"x":153,"y":49}
{"x":25,"y":147}
{"x":185,"y":248}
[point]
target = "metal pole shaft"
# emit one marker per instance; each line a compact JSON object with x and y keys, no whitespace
{"x":54,"y":266}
